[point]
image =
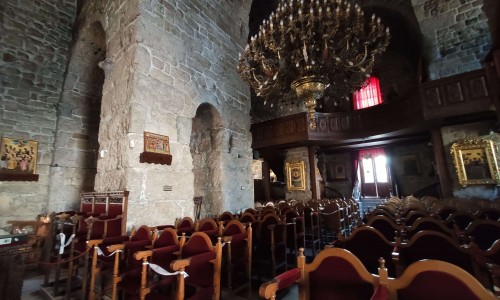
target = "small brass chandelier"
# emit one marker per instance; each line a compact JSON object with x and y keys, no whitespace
{"x":309,"y":49}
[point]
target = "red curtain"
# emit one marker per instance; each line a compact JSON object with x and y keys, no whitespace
{"x":371,"y":153}
{"x":369,"y":95}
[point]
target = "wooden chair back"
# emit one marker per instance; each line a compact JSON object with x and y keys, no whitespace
{"x":434,"y":279}
{"x":385,"y":225}
{"x":369,"y":245}
{"x":484,"y":232}
{"x":334,"y":274}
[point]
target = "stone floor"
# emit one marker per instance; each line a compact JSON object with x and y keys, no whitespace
{"x":33,"y":280}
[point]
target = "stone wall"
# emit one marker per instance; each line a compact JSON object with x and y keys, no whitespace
{"x":328,"y":165}
{"x":450,"y":135}
{"x":412,"y":167}
{"x":34,"y":41}
{"x":185,"y":55}
{"x":456,"y":35}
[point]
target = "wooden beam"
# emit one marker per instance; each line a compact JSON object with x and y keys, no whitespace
{"x":312,"y":171}
{"x":442,"y":167}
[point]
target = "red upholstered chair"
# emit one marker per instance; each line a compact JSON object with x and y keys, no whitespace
{"x":225,"y":217}
{"x":431,"y":245}
{"x":413,"y":215}
{"x":248,"y":217}
{"x":488,"y":265}
{"x":312,"y":230}
{"x":459,"y":220}
{"x":334,"y":274}
{"x":163,"y":288}
{"x":488,"y":213}
{"x":427,"y":223}
{"x":331,"y":226}
{"x":237,"y":256}
{"x":369,"y":245}
{"x":270,"y":247}
{"x":185,"y":225}
{"x":435,"y":280}
{"x":208,"y":226}
{"x":204,"y":267}
{"x":125,"y":265}
{"x":385,"y":225}
{"x":295,"y":235}
{"x":137,"y":284}
{"x":483,"y":232}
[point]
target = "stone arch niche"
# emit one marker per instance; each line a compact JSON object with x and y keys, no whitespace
{"x":206,"y":149}
{"x":74,"y":163}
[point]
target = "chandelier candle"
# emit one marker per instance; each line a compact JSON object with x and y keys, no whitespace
{"x":307,"y":50}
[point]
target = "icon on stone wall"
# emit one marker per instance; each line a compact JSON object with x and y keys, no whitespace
{"x":156,"y":143}
{"x":18,"y":156}
{"x":476,"y":162}
{"x":156,"y":149}
{"x":296,"y":176}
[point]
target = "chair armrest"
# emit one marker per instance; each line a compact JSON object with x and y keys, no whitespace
{"x":268,"y":289}
{"x":180,"y":264}
{"x":112,"y":248}
{"x":143,"y":254}
{"x":93,"y":243}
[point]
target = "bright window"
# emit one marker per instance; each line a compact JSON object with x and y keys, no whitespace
{"x":369,"y":95}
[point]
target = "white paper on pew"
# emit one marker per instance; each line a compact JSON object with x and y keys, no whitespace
{"x":164,"y":272}
{"x":64,"y":244}
{"x":99,"y":252}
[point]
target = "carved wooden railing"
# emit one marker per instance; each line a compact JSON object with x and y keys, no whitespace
{"x":438,"y":99}
{"x":456,"y":95}
{"x":358,"y":124}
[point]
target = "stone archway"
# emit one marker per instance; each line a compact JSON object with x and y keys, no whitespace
{"x":74,"y":162}
{"x":206,"y":149}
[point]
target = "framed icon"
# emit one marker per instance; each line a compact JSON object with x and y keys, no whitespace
{"x":296,"y":175}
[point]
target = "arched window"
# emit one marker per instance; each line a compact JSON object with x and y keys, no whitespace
{"x":369,"y":95}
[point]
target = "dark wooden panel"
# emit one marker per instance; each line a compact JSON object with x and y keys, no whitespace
{"x":456,"y":95}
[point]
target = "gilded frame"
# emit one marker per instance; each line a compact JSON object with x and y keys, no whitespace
{"x":296,"y":175}
{"x":475,"y":162}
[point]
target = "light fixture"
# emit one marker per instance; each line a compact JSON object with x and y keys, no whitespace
{"x":309,"y":49}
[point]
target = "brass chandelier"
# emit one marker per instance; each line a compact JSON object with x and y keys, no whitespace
{"x":309,"y":49}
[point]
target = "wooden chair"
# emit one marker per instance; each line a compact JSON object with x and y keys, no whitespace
{"x":459,"y":220}
{"x":312,"y":230}
{"x":331,"y":224}
{"x":483,"y":232}
{"x":155,"y":289}
{"x":163,"y":254}
{"x":434,"y":280}
{"x":125,"y":265}
{"x":385,"y":225}
{"x":427,"y":223}
{"x":369,"y":245}
{"x":270,"y":247}
{"x":204,"y":268}
{"x":208,"y":226}
{"x":488,"y":265}
{"x":295,"y":234}
{"x":334,"y":274}
{"x":237,"y":256}
{"x":225,"y":217}
{"x":488,"y":214}
{"x":412,"y":216}
{"x":431,"y":245}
